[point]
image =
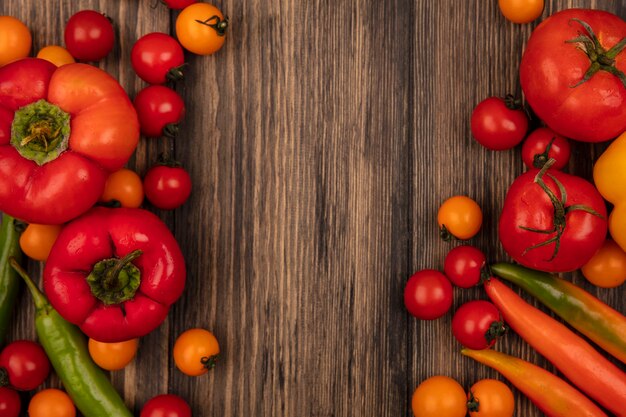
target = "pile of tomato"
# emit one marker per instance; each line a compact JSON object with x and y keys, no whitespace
{"x":573,"y":78}
{"x":69,"y":200}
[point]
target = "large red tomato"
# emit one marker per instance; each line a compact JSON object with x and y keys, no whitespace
{"x":570,"y":73}
{"x":552,"y":221}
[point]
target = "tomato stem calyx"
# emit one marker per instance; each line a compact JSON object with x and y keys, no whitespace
{"x":496,"y":330}
{"x":512,"y":103}
{"x":114,"y":280}
{"x":209,"y":362}
{"x":473,"y":404}
{"x":540,"y":159}
{"x":176,"y":73}
{"x":220,"y":25}
{"x":170,"y":130}
{"x":4,"y":378}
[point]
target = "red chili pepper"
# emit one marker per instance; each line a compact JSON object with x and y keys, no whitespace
{"x":571,"y":354}
{"x":115,"y":272}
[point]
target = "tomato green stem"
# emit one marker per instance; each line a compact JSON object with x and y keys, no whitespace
{"x":209,"y":362}
{"x":216,"y":23}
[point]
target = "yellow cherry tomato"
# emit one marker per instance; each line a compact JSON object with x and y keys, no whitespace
{"x":113,"y":356}
{"x":607,"y":268}
{"x":37,"y":240}
{"x":490,"y":398}
{"x":196,"y":351}
{"x":51,"y":403}
{"x":201,"y":28}
{"x":439,"y":396}
{"x":15,"y":40}
{"x":124,"y":186}
{"x":521,"y":11}
{"x":58,"y":55}
{"x":459,"y":216}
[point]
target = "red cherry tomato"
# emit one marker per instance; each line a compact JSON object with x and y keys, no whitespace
{"x":166,"y":405}
{"x":178,"y":4}
{"x":463,"y":265}
{"x":10,"y":404}
{"x":157,"y":58}
{"x":159,"y":109}
{"x":497,"y":124}
{"x":477,"y":324}
{"x":543,"y":144}
{"x":25,"y":363}
{"x":89,"y":35}
{"x":428,"y":294}
{"x":167,"y":187}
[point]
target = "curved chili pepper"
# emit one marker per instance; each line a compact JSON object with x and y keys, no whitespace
{"x":9,"y":281}
{"x":572,"y":355}
{"x":587,"y":314}
{"x":552,"y":395}
{"x":66,"y":347}
{"x":115,"y":273}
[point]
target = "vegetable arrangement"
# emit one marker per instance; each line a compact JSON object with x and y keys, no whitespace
{"x":112,"y":269}
{"x":574,"y":85}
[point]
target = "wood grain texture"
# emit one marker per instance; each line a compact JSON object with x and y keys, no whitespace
{"x":321,"y":140}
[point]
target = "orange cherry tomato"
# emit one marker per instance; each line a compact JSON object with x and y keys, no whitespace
{"x":607,"y":268}
{"x":459,"y":216}
{"x":521,"y":11}
{"x":37,"y":240}
{"x":51,"y":403}
{"x":201,"y":28}
{"x":439,"y":396}
{"x":56,"y":54}
{"x":113,"y":356}
{"x":15,"y":40}
{"x":196,"y":351}
{"x":124,"y":186}
{"x":490,"y":398}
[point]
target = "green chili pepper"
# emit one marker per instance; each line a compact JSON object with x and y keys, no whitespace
{"x":66,"y":347}
{"x":586,"y":313}
{"x":9,"y":280}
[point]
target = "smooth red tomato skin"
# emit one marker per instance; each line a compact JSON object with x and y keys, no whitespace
{"x":497,"y":127}
{"x":167,"y":187}
{"x":472,"y":321}
{"x":166,"y":405}
{"x":536,"y":144}
{"x":154,"y":55}
{"x":178,"y":4}
{"x":26,"y":364}
{"x":10,"y":403}
{"x":157,"y":106}
{"x":593,"y":111}
{"x":428,"y":294}
{"x":463,"y":265}
{"x":527,"y":205}
{"x":89,"y":36}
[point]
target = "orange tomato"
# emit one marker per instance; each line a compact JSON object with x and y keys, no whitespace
{"x":56,"y":54}
{"x":607,"y":268}
{"x":439,"y":396}
{"x":37,"y":240}
{"x":196,"y":351}
{"x":491,"y":398}
{"x":201,"y":28}
{"x":51,"y":403}
{"x":113,"y":356}
{"x":124,"y":186}
{"x":459,"y":216}
{"x":521,"y":11}
{"x":15,"y":40}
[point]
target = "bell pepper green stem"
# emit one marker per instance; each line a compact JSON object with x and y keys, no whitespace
{"x":9,"y":280}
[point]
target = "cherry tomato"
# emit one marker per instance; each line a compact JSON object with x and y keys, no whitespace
{"x":498,"y":124}
{"x":201,"y":28}
{"x":463,"y":265}
{"x":58,"y":55}
{"x":113,"y":356}
{"x":25,"y":363}
{"x":196,"y":351}
{"x":459,"y":216}
{"x":10,"y":403}
{"x":543,"y":144}
{"x":167,"y":187}
{"x":157,"y":58}
{"x":490,"y":398}
{"x":439,"y":396}
{"x":428,"y":294}
{"x":124,"y":186}
{"x":51,"y":403}
{"x":178,"y":4}
{"x":607,"y":268}
{"x":37,"y":240}
{"x":89,"y":35}
{"x":159,"y":109}
{"x":477,"y":324}
{"x":521,"y":11}
{"x":166,"y":405}
{"x":15,"y":40}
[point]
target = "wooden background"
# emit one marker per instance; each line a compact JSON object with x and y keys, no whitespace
{"x":321,"y":140}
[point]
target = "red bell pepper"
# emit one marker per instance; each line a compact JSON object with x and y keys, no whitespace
{"x":62,"y":130}
{"x":115,"y":273}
